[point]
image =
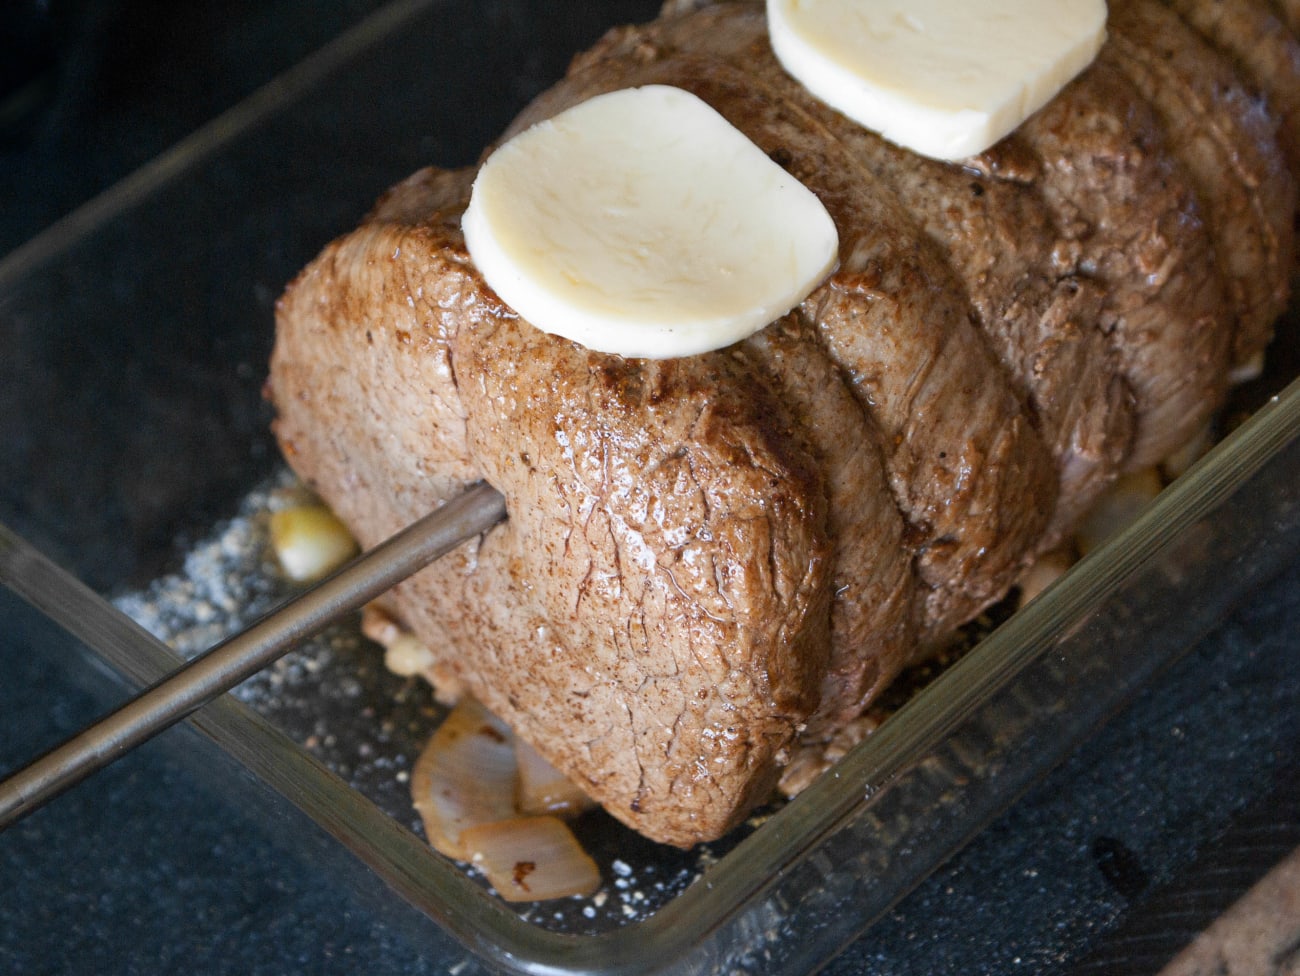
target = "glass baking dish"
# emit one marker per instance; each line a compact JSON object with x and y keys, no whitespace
{"x":150,"y":311}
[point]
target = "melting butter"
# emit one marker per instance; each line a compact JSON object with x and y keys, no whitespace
{"x":642,"y":223}
{"x":943,"y":78}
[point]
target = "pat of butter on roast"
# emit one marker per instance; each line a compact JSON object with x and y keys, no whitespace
{"x":642,"y":223}
{"x":944,"y":78}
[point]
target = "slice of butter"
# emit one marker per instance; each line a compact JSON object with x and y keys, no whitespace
{"x":642,"y":223}
{"x":944,"y":78}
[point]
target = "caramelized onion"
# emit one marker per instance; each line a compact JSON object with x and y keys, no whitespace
{"x":380,"y":625}
{"x":543,"y":788}
{"x":407,"y":656}
{"x":531,"y":859}
{"x":1046,"y":570}
{"x":465,"y":777}
{"x":1179,"y":461}
{"x":1118,"y":508}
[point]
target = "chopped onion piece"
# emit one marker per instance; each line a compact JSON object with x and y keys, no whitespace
{"x":447,"y":688}
{"x":380,"y":625}
{"x":1118,"y":508}
{"x":543,"y":788}
{"x":464,"y":777}
{"x":1047,"y":569}
{"x":1251,"y":369}
{"x":531,"y":859}
{"x":310,"y":541}
{"x":406,"y":655}
{"x":1177,"y":463}
{"x":811,"y":760}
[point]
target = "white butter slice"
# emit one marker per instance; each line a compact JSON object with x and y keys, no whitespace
{"x":642,"y":223}
{"x":944,"y":78}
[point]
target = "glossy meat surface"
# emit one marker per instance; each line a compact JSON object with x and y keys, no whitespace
{"x":716,"y":562}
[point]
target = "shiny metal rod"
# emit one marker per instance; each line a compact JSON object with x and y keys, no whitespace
{"x":225,"y":665}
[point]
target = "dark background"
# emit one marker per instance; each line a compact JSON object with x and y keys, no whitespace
{"x":92,"y":89}
{"x":170,"y":861}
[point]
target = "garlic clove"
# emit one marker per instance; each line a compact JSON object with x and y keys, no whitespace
{"x":310,"y":542}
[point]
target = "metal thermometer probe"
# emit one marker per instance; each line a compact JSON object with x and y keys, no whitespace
{"x":89,"y":617}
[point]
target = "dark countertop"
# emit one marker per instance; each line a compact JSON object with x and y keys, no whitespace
{"x":150,"y":867}
{"x":159,"y":864}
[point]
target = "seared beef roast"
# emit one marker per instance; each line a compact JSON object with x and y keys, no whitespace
{"x":715,"y":561}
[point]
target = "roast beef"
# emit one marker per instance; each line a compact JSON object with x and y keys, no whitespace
{"x":1222,"y":131}
{"x":714,"y":562}
{"x":1262,"y":49}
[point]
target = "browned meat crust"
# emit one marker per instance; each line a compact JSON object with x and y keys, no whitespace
{"x":1263,"y":49}
{"x":655,"y":612}
{"x":1222,"y":132}
{"x":968,"y":471}
{"x":1289,"y":12}
{"x":872,"y":627}
{"x":998,"y":236}
{"x":1131,"y":219}
{"x":713,"y":562}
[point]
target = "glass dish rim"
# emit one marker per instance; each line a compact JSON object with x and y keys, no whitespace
{"x":438,"y":888}
{"x":667,"y":938}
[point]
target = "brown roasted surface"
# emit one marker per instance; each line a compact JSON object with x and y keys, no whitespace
{"x":713,"y":562}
